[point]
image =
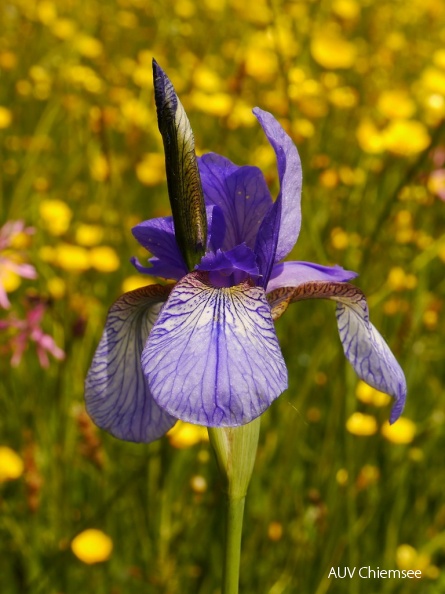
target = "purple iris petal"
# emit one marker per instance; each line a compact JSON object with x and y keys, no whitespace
{"x":216,"y":227}
{"x":213,"y":357}
{"x":116,"y":392}
{"x":368,"y":352}
{"x":290,"y":175}
{"x":292,"y":274}
{"x":240,"y":192}
{"x":364,"y":347}
{"x":229,"y":268}
{"x":158,"y":237}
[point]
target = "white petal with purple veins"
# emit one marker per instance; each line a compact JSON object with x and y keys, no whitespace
{"x":116,"y":392}
{"x":213,"y":357}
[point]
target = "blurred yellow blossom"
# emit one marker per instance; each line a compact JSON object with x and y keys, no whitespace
{"x":368,"y":476}
{"x":73,"y":258}
{"x":275,"y":531}
{"x":136,"y":282}
{"x":261,"y":63}
{"x":89,"y":235}
{"x":369,"y":137}
{"x":63,"y":28}
{"x":218,"y":104}
{"x":395,"y":104}
{"x":99,"y":167}
{"x":303,"y":128}
{"x":8,"y":60}
{"x":346,"y":9}
{"x":56,"y":287}
{"x":332,"y":51}
{"x":433,"y":80}
{"x":136,"y":112}
{"x":92,"y":546}
{"x":344,"y":97}
{"x":88,"y":46}
{"x":104,"y":259}
{"x":406,"y":137}
{"x":360,"y":424}
{"x":206,"y":79}
{"x":185,"y":435}
{"x":9,"y":280}
{"x":398,"y":280}
{"x":402,"y":431}
{"x":151,"y":170}
{"x":436,"y":183}
{"x":11,"y":465}
{"x":198,"y":484}
{"x":342,"y":476}
{"x":5,"y":117}
{"x":408,"y":558}
{"x":339,"y":238}
{"x":56,"y":216}
{"x":329,"y":178}
{"x":46,"y":12}
{"x":369,"y":395}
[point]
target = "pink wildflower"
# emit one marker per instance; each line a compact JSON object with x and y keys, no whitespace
{"x":29,"y":330}
{"x":11,"y":260}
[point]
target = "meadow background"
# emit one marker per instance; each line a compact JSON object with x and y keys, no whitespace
{"x":360,"y":86}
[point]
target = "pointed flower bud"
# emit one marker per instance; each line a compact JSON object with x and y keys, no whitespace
{"x":183,"y":180}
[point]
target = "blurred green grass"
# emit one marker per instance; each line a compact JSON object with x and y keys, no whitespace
{"x":78,"y":128}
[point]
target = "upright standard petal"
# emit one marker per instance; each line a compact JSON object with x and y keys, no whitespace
{"x":364,"y":347}
{"x":213,"y":357}
{"x":158,"y":237}
{"x":291,"y":179}
{"x":183,"y":181}
{"x":116,"y":392}
{"x":240,"y":192}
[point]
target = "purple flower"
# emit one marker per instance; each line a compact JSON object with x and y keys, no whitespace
{"x":205,"y":350}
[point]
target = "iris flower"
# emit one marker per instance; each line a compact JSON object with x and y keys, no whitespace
{"x":204,"y":350}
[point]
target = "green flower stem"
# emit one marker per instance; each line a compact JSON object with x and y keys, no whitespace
{"x":232,"y":552}
{"x":235,"y":449}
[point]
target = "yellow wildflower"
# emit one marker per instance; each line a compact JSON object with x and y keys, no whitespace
{"x":396,"y":104}
{"x":339,"y":238}
{"x":56,"y":216}
{"x":261,"y":63}
{"x":433,"y":80}
{"x":151,"y":170}
{"x":369,"y":137}
{"x":198,"y":484}
{"x":11,"y":465}
{"x":88,"y":46}
{"x":218,"y":104}
{"x":342,"y":477}
{"x":406,"y":137}
{"x":92,"y":546}
{"x":73,"y":258}
{"x":344,"y":97}
{"x":408,"y":558}
{"x":206,"y":79}
{"x":346,"y":9}
{"x":275,"y":531}
{"x":63,"y":28}
{"x":89,"y":235}
{"x":46,"y":12}
{"x":329,"y":178}
{"x":185,"y":435}
{"x":369,"y":395}
{"x":56,"y":287}
{"x":136,"y":282}
{"x":104,"y":259}
{"x":99,"y":167}
{"x":403,"y":431}
{"x":369,"y":475}
{"x":362,"y":425}
{"x":5,"y":117}
{"x":332,"y":51}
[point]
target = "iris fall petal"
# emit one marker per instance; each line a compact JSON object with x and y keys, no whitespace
{"x":213,"y":357}
{"x":116,"y":392}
